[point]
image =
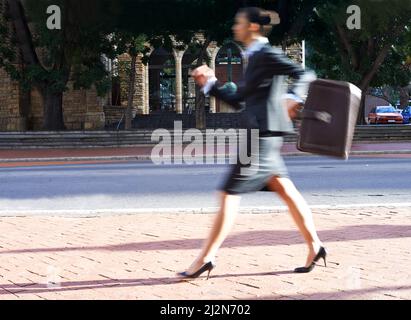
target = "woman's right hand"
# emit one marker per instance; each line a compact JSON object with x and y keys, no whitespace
{"x":202,"y":74}
{"x":294,"y":108}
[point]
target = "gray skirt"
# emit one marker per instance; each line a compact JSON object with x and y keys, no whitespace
{"x":263,"y":165}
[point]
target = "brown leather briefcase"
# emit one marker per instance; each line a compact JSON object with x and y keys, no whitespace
{"x":328,"y":118}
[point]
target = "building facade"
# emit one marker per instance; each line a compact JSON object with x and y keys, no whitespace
{"x":163,"y":85}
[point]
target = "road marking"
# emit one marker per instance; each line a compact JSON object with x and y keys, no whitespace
{"x":206,"y":210}
{"x":61,"y":160}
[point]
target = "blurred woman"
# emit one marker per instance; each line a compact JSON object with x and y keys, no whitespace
{"x":269,"y":110}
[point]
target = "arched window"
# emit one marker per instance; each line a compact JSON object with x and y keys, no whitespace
{"x":189,"y":63}
{"x":229,"y":68}
{"x":162,"y":81}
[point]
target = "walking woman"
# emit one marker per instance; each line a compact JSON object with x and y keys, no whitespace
{"x":268,"y":109}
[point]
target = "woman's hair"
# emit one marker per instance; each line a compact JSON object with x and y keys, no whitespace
{"x":266,"y":19}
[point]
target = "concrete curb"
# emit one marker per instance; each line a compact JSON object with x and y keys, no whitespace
{"x":149,"y":158}
{"x":206,"y":210}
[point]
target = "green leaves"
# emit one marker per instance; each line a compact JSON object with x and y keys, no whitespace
{"x":94,"y":28}
{"x":78,"y":46}
{"x":358,"y":56}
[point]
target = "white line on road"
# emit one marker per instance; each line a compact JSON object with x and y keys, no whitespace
{"x":131,"y":211}
{"x":158,"y":159}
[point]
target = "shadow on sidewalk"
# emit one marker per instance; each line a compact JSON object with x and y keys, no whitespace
{"x":28,"y":288}
{"x":32,"y":288}
{"x":246,"y":239}
{"x":353,"y":294}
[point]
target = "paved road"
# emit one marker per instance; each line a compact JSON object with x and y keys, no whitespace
{"x":133,"y":185}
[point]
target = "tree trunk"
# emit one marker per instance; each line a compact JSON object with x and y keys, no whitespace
{"x":365,"y":82}
{"x":352,"y":56}
{"x":404,"y":97}
{"x":367,"y":78}
{"x":53,"y":111}
{"x":25,"y":107}
{"x":52,"y":102}
{"x":361,"y":112}
{"x":23,"y":34}
{"x":131,"y":91}
{"x":200,"y":113}
{"x":301,"y":20}
{"x":284,"y":46}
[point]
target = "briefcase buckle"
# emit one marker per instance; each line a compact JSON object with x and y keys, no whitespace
{"x":316,"y":115}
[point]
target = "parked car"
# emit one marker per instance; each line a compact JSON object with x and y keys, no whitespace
{"x":385,"y":115}
{"x":406,"y":114}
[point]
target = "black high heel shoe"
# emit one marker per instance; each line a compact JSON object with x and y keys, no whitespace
{"x":322,"y":254}
{"x":209,"y":266}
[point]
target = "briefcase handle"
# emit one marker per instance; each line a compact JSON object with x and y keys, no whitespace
{"x":316,"y":115}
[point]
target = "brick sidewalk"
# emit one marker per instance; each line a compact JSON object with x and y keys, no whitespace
{"x":136,"y":257}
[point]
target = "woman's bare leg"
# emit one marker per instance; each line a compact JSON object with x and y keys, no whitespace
{"x":300,"y":211}
{"x":223,"y":223}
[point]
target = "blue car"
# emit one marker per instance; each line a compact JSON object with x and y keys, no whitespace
{"x":406,"y":114}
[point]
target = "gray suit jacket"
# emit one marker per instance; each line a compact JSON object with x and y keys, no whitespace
{"x":262,"y":90}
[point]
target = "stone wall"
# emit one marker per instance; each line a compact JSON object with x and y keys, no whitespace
{"x":295,"y":53}
{"x":140,"y":102}
{"x":10,"y":117}
{"x":113,"y":114}
{"x":82,"y":110}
